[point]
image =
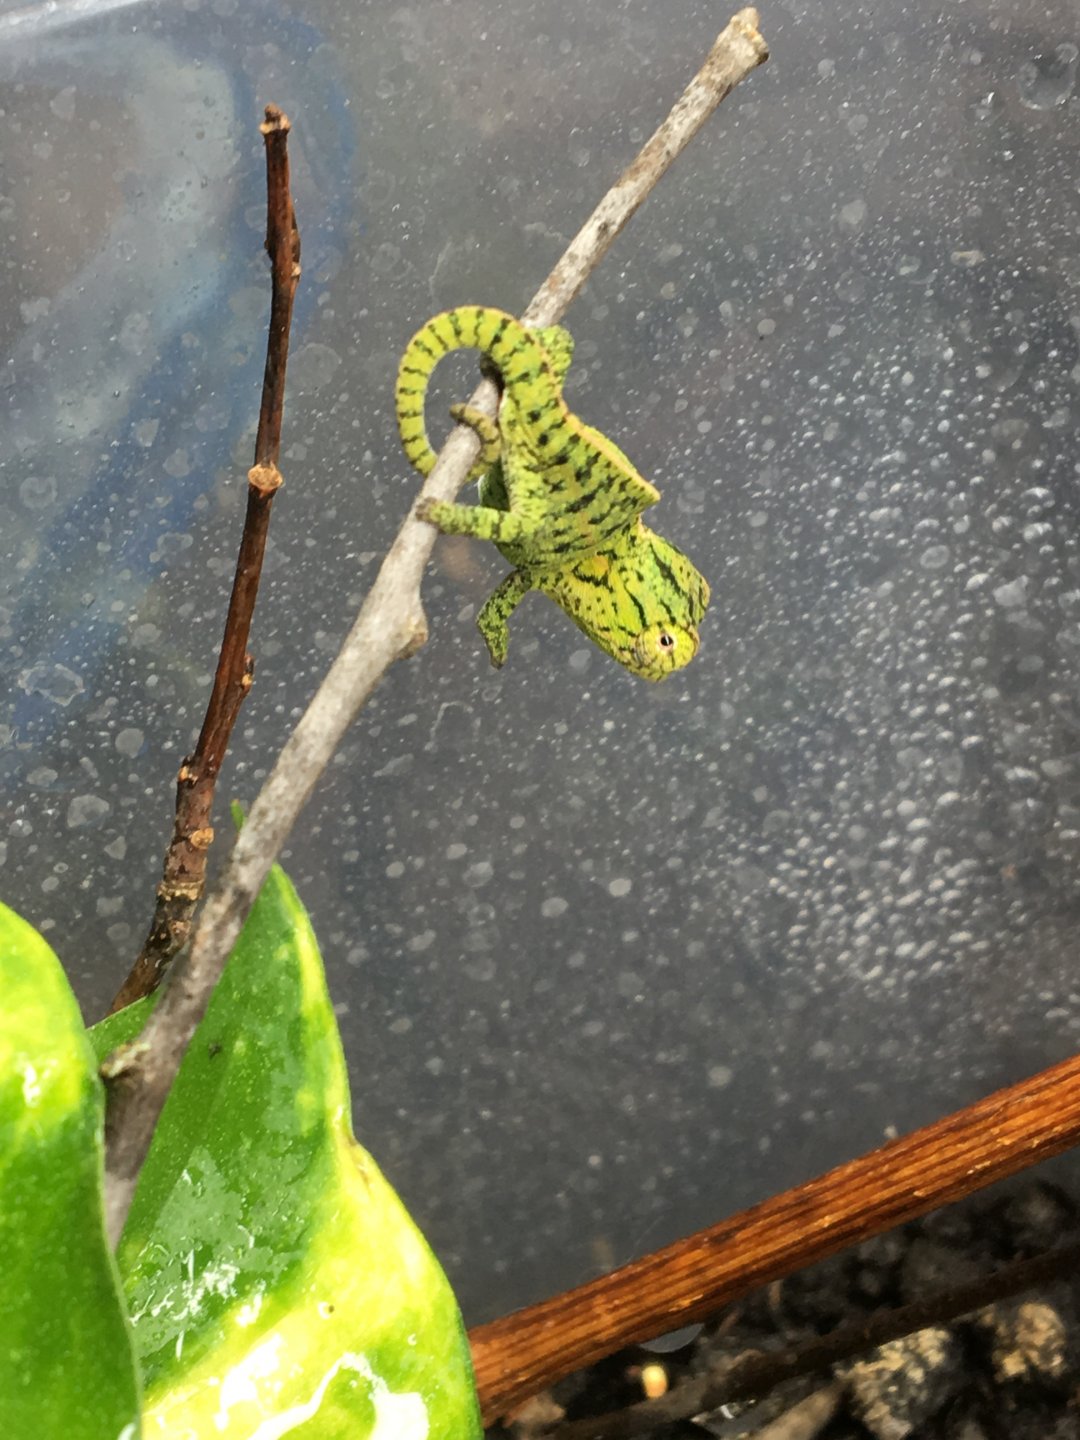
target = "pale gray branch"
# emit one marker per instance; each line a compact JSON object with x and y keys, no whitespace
{"x":389,"y":627}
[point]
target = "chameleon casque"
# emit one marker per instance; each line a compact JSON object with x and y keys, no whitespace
{"x":561,"y":502}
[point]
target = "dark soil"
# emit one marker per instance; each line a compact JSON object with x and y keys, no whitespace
{"x":1008,"y":1371}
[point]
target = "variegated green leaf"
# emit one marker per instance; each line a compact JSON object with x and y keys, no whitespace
{"x":66,"y":1365}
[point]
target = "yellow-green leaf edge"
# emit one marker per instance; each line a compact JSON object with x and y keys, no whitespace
{"x":66,"y":1362}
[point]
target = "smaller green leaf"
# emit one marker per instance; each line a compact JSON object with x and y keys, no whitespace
{"x":120,"y":1029}
{"x":66,"y":1364}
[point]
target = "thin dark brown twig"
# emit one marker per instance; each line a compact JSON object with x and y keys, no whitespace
{"x":184,"y":868}
{"x":753,"y":1375}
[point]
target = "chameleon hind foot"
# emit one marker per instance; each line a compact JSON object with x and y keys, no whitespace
{"x":488,"y":432}
{"x":497,"y":609}
{"x":559,"y":344}
{"x":496,"y":638}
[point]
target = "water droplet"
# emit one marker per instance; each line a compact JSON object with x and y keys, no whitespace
{"x":129,"y":742}
{"x":37,"y":492}
{"x":853,"y":214}
{"x":1012,"y":593}
{"x":1048,"y":80}
{"x":87,"y":810}
{"x":479,"y":874}
{"x":56,"y":682}
{"x":313,"y":366}
{"x":1037,"y":530}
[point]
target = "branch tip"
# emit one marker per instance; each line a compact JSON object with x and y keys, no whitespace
{"x":276,"y":122}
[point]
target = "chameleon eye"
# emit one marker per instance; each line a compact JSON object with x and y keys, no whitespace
{"x":666,"y":641}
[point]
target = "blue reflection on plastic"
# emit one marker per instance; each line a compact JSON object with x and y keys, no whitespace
{"x":130,"y":385}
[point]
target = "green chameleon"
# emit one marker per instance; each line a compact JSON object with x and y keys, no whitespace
{"x":560,"y":501}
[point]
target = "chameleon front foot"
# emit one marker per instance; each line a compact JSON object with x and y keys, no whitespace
{"x":449,"y":518}
{"x":424,"y":508}
{"x":453,"y":519}
{"x":477,"y":520}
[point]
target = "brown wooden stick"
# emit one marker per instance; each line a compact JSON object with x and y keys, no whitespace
{"x":525,"y":1352}
{"x":184,"y":868}
{"x":754,"y":1374}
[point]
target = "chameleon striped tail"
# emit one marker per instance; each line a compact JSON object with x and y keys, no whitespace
{"x":517,"y":353}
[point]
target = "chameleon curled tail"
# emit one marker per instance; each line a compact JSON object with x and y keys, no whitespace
{"x":518,"y":354}
{"x":559,"y":500}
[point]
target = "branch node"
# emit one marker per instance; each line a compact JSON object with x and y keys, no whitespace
{"x":116,"y":1065}
{"x":266,"y":477}
{"x":417,"y":639}
{"x":170,"y":888}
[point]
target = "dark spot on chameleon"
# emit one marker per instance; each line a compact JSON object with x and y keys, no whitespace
{"x":543,"y":438}
{"x":666,"y":572}
{"x":534,"y":416}
{"x":583,"y":502}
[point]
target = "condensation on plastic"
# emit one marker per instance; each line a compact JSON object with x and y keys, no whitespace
{"x":611,"y":960}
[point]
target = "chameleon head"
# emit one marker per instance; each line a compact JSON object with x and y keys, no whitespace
{"x":666,"y":591}
{"x":659,"y":650}
{"x":639,"y":599}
